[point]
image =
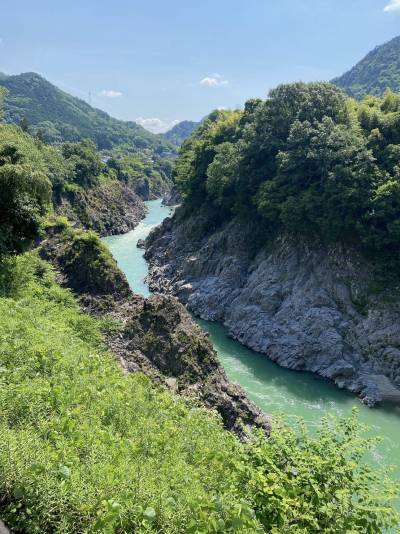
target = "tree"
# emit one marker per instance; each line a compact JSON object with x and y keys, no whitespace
{"x":3,"y":94}
{"x":24,"y":125}
{"x":25,"y":190}
{"x":85,"y":162}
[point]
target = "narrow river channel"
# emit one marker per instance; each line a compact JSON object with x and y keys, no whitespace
{"x":274,"y":389}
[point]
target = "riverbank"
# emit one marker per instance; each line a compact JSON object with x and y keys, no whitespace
{"x":307,"y":307}
{"x":154,"y":336}
{"x":277,"y":391}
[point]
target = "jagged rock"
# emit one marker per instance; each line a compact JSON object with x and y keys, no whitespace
{"x":307,"y":307}
{"x":140,"y":243}
{"x":109,"y":209}
{"x":156,"y":336}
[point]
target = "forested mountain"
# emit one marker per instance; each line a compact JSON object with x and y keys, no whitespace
{"x":292,"y":206}
{"x":86,"y":447}
{"x":62,"y":117}
{"x":180,"y":132}
{"x":378,"y":71}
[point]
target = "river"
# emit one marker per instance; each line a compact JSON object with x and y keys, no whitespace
{"x":274,"y":389}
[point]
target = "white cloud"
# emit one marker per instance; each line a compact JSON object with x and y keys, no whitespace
{"x":110,"y":93}
{"x":215,"y":80}
{"x":155,"y":125}
{"x":393,"y":5}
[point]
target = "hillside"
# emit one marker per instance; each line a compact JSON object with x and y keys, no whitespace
{"x":288,"y":233}
{"x":63,"y":117}
{"x":378,"y":71}
{"x":180,"y":132}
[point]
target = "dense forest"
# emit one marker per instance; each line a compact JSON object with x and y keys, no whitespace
{"x":57,"y":116}
{"x":378,"y":71}
{"x":307,"y":161}
{"x":87,"y":448}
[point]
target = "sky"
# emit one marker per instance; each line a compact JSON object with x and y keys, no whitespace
{"x":162,"y":61}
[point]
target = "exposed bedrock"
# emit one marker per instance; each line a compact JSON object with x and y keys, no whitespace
{"x":307,"y":307}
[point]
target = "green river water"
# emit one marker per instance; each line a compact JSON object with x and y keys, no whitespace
{"x":274,"y":389}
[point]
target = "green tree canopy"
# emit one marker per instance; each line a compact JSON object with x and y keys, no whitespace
{"x":25,"y":189}
{"x":84,"y":160}
{"x":308,"y":160}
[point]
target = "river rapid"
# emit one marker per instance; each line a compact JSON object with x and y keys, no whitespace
{"x":274,"y":389}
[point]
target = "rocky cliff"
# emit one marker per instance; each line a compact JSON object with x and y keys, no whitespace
{"x":109,"y":208}
{"x":307,"y":307}
{"x":155,"y":336}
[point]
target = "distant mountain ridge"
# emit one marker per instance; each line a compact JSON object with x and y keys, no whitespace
{"x":180,"y":132}
{"x":63,"y":117}
{"x":377,"y":71}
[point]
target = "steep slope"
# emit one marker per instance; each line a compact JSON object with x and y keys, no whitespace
{"x":288,"y":233}
{"x":378,"y":71}
{"x":180,"y":132}
{"x":108,"y":208}
{"x":62,"y":117}
{"x":156,"y":336}
{"x":307,"y":307}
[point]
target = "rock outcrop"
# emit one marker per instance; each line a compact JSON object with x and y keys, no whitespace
{"x":109,"y":209}
{"x":155,"y":336}
{"x":307,"y":307}
{"x":173,"y":198}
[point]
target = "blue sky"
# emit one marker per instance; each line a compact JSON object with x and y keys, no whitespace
{"x":159,"y":61}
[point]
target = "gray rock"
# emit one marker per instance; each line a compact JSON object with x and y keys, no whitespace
{"x":3,"y":528}
{"x":306,"y":307}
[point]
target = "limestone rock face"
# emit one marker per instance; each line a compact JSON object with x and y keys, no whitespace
{"x":307,"y":307}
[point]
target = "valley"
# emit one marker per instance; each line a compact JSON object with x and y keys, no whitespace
{"x":200,"y":326}
{"x":278,"y":392}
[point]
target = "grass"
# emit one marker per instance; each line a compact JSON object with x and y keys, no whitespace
{"x":85,"y":448}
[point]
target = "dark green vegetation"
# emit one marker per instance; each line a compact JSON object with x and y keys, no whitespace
{"x":25,"y":189}
{"x":71,"y":177}
{"x":307,"y":161}
{"x":378,"y":71}
{"x":86,"y":448}
{"x":180,"y":132}
{"x":57,"y":116}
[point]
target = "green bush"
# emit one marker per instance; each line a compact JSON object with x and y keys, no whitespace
{"x":85,"y":448}
{"x":25,"y":189}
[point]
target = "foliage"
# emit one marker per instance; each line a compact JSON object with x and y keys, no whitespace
{"x":198,"y":152}
{"x":25,"y":189}
{"x":378,"y":71}
{"x":147,"y":174}
{"x":62,"y":117}
{"x":85,"y":162}
{"x":86,"y":448}
{"x":307,"y":161}
{"x":3,"y":93}
{"x":87,"y":261}
{"x":293,"y":474}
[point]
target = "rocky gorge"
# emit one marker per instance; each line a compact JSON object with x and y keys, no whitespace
{"x":155,"y":336}
{"x":307,"y":307}
{"x":109,"y":208}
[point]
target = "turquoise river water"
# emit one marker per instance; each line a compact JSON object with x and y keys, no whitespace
{"x":274,"y":389}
